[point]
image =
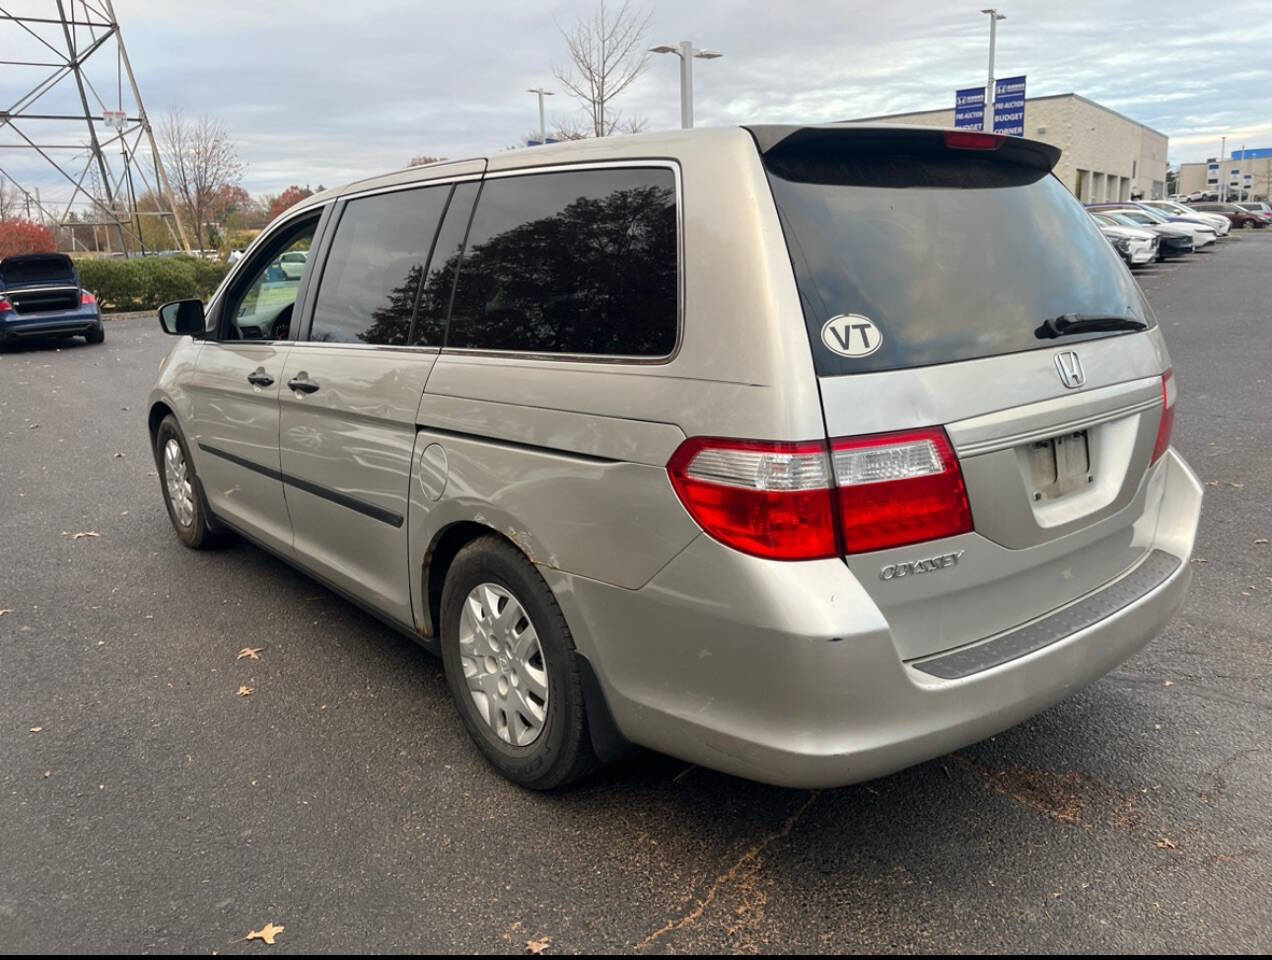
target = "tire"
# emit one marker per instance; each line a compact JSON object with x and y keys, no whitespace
{"x":190,"y":518}
{"x":96,"y":335}
{"x":492,"y":572}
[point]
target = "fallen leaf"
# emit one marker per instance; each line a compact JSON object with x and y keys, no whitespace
{"x":249,"y":653}
{"x":1235,"y":486}
{"x":4,"y":610}
{"x":1261,"y":540}
{"x":36,"y":729}
{"x":1169,"y":683}
{"x":1212,"y":483}
{"x":34,"y":426}
{"x":47,"y":774}
{"x":266,"y":933}
{"x":82,"y":534}
{"x":1165,"y":843}
{"x":118,"y":455}
{"x":538,"y":946}
{"x":246,"y":691}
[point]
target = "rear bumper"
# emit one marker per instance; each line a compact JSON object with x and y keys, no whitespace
{"x":19,"y":327}
{"x":787,"y":673}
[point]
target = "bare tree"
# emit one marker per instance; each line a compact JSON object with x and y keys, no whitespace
{"x":202,"y":163}
{"x":423,"y":159}
{"x":606,"y":54}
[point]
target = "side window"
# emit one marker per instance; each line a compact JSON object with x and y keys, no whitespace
{"x":580,"y":262}
{"x":260,"y":308}
{"x":430,"y":319}
{"x":372,"y":276}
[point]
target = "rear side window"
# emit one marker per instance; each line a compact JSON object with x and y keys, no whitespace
{"x":906,"y":258}
{"x":372,"y":276}
{"x":578,"y":262}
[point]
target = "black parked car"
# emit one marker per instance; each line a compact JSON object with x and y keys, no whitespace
{"x":41,"y":296}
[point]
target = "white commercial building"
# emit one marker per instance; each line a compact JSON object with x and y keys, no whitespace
{"x":1248,"y":172}
{"x":1106,"y":156}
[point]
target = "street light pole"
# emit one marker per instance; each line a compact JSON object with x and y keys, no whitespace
{"x":1223,"y":170}
{"x":994,"y":16}
{"x":686,"y":53}
{"x":543,"y":133}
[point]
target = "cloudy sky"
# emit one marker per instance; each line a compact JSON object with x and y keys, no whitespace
{"x":324,"y":92}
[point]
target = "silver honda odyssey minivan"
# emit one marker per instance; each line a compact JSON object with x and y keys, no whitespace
{"x":801,"y":453}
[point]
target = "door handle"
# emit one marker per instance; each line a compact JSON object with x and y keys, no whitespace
{"x":259,"y":378}
{"x":302,"y":384}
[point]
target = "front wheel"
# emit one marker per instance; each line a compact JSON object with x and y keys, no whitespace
{"x":512,"y":668}
{"x":180,"y":489}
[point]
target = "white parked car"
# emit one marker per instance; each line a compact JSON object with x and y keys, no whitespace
{"x":1160,"y":223}
{"x":293,"y":263}
{"x":1135,"y":246}
{"x":1222,"y":224}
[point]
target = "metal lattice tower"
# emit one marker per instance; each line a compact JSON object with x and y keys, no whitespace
{"x":75,"y":141}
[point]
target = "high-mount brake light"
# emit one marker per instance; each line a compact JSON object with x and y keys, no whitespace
{"x":973,"y":140}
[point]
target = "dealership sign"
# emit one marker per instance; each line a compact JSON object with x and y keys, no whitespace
{"x":1212,"y":172}
{"x":1009,"y":106}
{"x":969,"y":108}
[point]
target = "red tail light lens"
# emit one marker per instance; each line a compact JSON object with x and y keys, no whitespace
{"x":1167,"y":423}
{"x":971,"y":140}
{"x":899,"y":488}
{"x":767,"y":499}
{"x":790,"y":501}
{"x":5,"y":305}
{"x":87,"y":299}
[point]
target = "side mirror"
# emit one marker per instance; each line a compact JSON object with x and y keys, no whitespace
{"x":181,"y":317}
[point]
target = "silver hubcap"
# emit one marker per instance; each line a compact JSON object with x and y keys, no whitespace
{"x":503,"y":664}
{"x":177,"y":478}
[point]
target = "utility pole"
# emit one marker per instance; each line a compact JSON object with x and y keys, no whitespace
{"x":987,"y":124}
{"x":543,"y":131}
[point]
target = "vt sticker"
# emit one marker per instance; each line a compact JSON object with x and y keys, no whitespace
{"x":851,"y":335}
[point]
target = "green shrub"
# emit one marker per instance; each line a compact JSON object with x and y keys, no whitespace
{"x":148,"y":282}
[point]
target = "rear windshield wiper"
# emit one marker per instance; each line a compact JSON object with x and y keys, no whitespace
{"x":1068,"y":324}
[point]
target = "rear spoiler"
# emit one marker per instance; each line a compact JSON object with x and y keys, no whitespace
{"x":777,"y":142}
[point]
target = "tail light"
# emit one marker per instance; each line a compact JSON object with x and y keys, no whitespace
{"x":896,"y":489}
{"x":87,"y":299}
{"x":767,"y":499}
{"x":806,"y":501}
{"x":1167,"y":422}
{"x":5,"y":305}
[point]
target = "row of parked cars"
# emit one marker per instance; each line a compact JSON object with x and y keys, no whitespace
{"x":1143,"y":231}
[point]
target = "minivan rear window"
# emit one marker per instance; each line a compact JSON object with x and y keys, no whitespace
{"x":947,"y":254}
{"x":578,"y":262}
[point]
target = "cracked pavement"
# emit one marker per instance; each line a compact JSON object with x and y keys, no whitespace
{"x":156,"y":810}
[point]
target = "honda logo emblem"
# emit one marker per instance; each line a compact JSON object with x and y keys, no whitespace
{"x":1070,"y":369}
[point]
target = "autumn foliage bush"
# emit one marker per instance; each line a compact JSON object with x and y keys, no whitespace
{"x":23,"y":236}
{"x":145,"y":283}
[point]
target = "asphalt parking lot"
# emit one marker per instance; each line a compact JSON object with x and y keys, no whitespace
{"x":145,"y":806}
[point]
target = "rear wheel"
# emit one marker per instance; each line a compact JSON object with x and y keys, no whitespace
{"x":512,"y":668}
{"x":180,"y":489}
{"x":95,"y":335}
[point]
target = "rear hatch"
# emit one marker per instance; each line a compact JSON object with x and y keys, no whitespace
{"x":967,"y":317}
{"x":40,"y":283}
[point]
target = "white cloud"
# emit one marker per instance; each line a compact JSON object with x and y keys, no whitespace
{"x":326,"y":92}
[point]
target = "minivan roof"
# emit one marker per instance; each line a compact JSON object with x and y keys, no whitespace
{"x":670,"y":143}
